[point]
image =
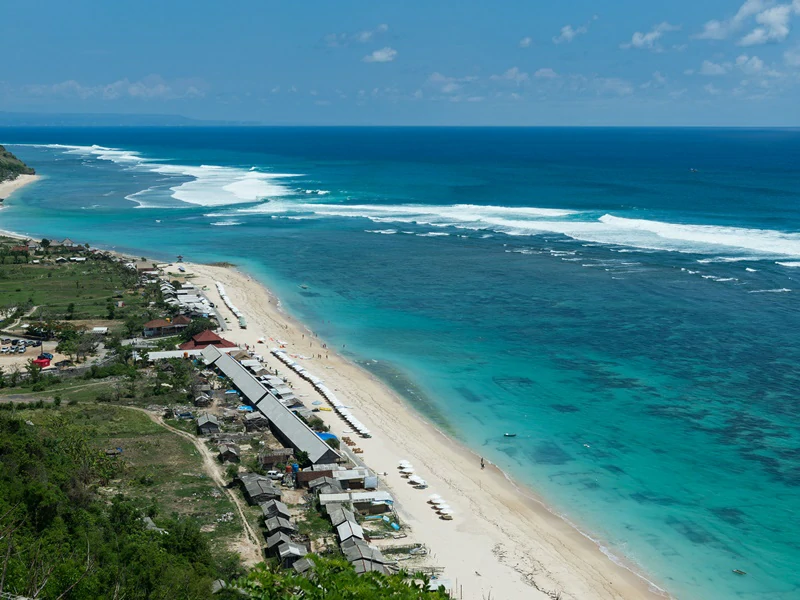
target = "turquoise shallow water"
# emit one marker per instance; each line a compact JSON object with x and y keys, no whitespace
{"x":634,"y":322}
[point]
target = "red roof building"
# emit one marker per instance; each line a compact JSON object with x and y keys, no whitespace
{"x":204,"y":339}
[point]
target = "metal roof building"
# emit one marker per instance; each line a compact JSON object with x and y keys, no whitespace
{"x":348,"y":530}
{"x":286,"y":426}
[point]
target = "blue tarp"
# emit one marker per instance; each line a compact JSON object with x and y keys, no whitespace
{"x":326,"y":436}
{"x":231,"y":392}
{"x":246,"y":408}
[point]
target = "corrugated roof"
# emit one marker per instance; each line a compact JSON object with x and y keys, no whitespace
{"x":297,"y":433}
{"x":349,"y":529}
{"x":275,"y":508}
{"x":279,"y":523}
{"x":292,"y":549}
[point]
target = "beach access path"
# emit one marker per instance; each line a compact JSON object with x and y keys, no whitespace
{"x":503,"y":542}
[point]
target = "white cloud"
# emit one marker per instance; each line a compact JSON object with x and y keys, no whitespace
{"x":449,"y":85}
{"x":772,"y":20}
{"x":525,"y":42}
{"x":658,"y":80}
{"x":152,"y":87}
{"x":750,"y":65}
{"x":546,"y":74}
{"x":342,"y":40}
{"x":649,"y":40}
{"x":719,"y":30}
{"x":612,"y":85}
{"x":791,"y":57}
{"x":773,"y":26}
{"x":710,"y":88}
{"x":713,"y":69}
{"x":381,"y":56}
{"x":512,"y":74}
{"x":365,"y":36}
{"x":568,"y":33}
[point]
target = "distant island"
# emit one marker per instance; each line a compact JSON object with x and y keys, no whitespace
{"x":11,"y":167}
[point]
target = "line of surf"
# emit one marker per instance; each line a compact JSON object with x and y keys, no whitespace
{"x":606,"y":229}
{"x":203,"y":185}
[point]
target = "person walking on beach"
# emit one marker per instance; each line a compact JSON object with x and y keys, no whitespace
{"x":483,"y":464}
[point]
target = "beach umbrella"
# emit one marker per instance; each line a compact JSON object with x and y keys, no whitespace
{"x":317,"y":402}
{"x":407,"y":470}
{"x":446,"y":511}
{"x":441,"y":502}
{"x":443,"y":507}
{"x":433,"y":498}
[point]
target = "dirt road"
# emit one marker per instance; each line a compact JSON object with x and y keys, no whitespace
{"x":249,"y":546}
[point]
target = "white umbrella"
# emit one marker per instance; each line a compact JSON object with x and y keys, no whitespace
{"x":442,"y":508}
{"x":404,"y":463}
{"x":407,"y":470}
{"x":440,"y":502}
{"x":433,"y":498}
{"x":447,"y":511}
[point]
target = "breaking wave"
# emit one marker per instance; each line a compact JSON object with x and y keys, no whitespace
{"x":204,"y":185}
{"x":605,"y":229}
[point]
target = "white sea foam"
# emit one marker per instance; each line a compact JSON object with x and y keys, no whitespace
{"x":206,"y":185}
{"x":790,"y":263}
{"x":723,"y":259}
{"x":749,"y":270}
{"x":720,"y":279}
{"x":775,"y":291}
{"x":383,"y":231}
{"x":226,"y":223}
{"x":433,"y":234}
{"x":741,"y":243}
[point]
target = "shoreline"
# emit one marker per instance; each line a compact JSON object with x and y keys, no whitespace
{"x":505,"y":542}
{"x":7,"y":188}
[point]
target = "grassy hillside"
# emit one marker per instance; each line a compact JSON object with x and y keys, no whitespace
{"x":11,"y":167}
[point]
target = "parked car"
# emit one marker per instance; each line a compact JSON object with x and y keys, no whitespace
{"x":274,"y":474}
{"x":36,"y":344}
{"x":46,"y":355}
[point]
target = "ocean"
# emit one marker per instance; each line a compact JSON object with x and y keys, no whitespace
{"x":624,"y":300}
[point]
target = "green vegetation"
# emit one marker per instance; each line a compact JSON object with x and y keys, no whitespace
{"x":69,"y":291}
{"x":11,"y":167}
{"x":332,"y":578}
{"x":59,"y":539}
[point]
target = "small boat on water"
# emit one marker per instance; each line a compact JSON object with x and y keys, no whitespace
{"x":509,"y":435}
{"x":739,"y":572}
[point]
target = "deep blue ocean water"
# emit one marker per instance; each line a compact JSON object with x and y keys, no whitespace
{"x":625,"y":300}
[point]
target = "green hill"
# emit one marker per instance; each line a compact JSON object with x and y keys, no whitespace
{"x":11,"y":167}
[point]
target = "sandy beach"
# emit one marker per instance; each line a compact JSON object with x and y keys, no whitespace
{"x":9,"y":187}
{"x":503,"y":542}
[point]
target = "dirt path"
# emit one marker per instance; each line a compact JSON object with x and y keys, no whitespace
{"x":30,"y":397}
{"x":249,"y":546}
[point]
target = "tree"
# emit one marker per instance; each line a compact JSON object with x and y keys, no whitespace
{"x":34,"y":371}
{"x":68,"y":346}
{"x":334,"y":578}
{"x":197,"y":326}
{"x":45,"y":243}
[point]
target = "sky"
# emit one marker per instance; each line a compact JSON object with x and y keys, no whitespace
{"x":432,"y":62}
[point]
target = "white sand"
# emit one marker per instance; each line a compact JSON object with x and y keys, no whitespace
{"x":503,"y":543}
{"x":9,"y":187}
